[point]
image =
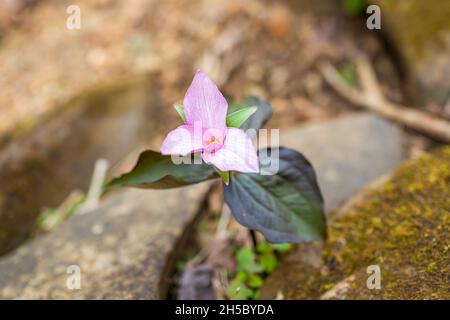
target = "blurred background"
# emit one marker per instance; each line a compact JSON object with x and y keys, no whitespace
{"x":69,"y":97}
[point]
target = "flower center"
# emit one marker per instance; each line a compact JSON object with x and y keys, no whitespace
{"x":213,"y":144}
{"x":212,"y":140}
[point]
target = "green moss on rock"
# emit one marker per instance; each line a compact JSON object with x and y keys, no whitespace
{"x":402,"y":226}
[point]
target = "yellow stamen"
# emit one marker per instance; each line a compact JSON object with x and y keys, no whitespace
{"x":212,"y":140}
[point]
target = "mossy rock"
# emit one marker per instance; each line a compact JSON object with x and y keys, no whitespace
{"x":401,"y":226}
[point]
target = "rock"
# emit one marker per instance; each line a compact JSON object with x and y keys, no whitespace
{"x":41,"y":165}
{"x":347,"y":152}
{"x":420,"y":31}
{"x":196,"y":283}
{"x":400,"y":225}
{"x":124,"y":249}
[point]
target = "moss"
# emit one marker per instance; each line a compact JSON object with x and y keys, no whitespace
{"x":401,"y":226}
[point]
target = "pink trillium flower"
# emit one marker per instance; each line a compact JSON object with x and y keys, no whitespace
{"x":205,"y":131}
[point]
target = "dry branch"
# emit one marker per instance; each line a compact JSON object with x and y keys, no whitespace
{"x":371,"y":97}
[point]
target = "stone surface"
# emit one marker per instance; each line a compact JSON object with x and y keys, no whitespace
{"x":400,"y":225}
{"x":41,"y":165}
{"x":196,"y":283}
{"x":420,"y":31}
{"x":124,"y":249}
{"x":347,"y":152}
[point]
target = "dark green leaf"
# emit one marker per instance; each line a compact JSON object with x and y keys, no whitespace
{"x":155,"y":171}
{"x":284,"y":207}
{"x":237,"y":118}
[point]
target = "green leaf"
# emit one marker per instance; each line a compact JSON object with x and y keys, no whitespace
{"x":282,"y":247}
{"x":241,"y":292}
{"x":354,"y":7}
{"x":234,"y":287}
{"x":237,"y":290}
{"x":224,"y":175}
{"x":256,"y":295}
{"x":268,"y":261}
{"x":180,"y":109}
{"x":258,"y":118}
{"x":252,"y":113}
{"x":284,"y":207}
{"x":254,"y":281}
{"x":241,"y":276}
{"x":263,"y":247}
{"x":155,"y":171}
{"x":348,"y":74}
{"x":237,"y":118}
{"x":246,"y":261}
{"x":180,"y":266}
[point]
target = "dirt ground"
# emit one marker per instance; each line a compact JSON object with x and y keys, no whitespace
{"x":267,"y":48}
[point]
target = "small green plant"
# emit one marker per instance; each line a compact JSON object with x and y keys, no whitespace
{"x":51,"y":218}
{"x":354,"y":7}
{"x":348,"y":74}
{"x":253,"y":266}
{"x":184,"y":261}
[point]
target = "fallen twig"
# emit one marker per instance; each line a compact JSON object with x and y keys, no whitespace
{"x":371,"y":97}
{"x":96,"y":186}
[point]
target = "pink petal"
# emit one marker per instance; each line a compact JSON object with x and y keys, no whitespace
{"x":237,"y":153}
{"x":182,"y":141}
{"x":204,"y":103}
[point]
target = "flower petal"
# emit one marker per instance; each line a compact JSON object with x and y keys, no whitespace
{"x":204,"y":103}
{"x":182,"y":141}
{"x":237,"y":153}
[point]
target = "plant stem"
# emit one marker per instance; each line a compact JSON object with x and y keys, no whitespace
{"x":253,"y":237}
